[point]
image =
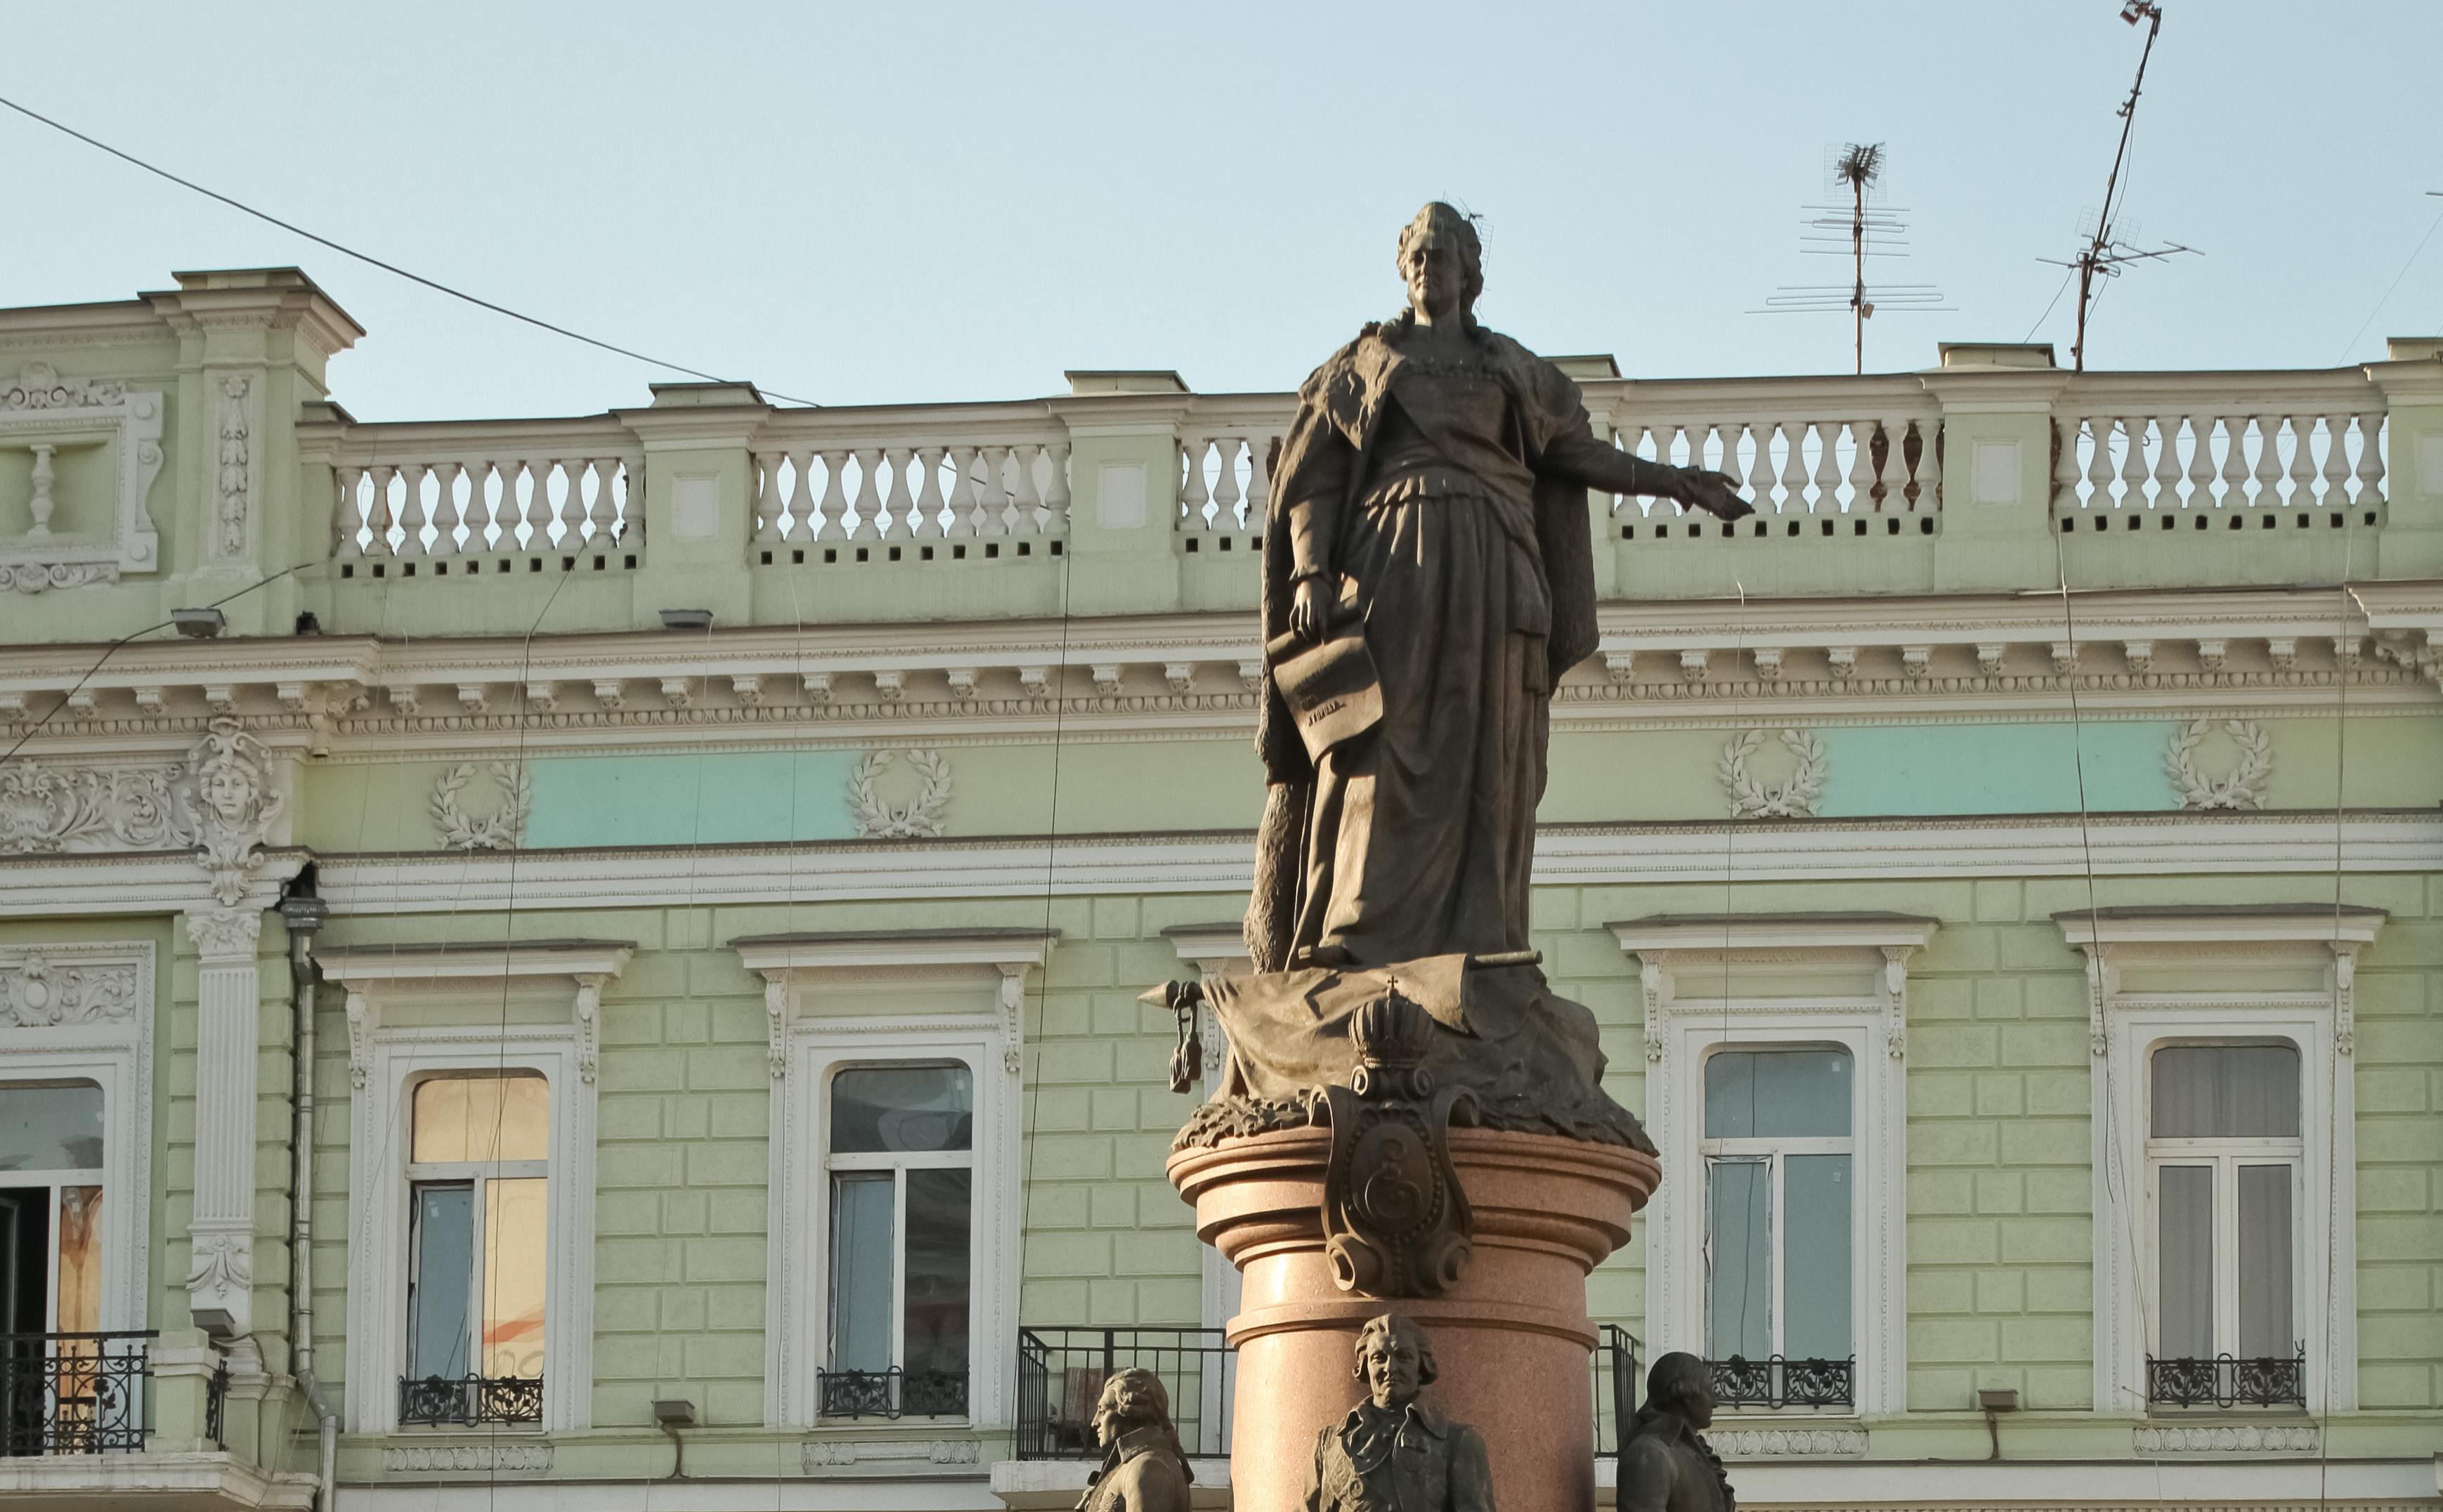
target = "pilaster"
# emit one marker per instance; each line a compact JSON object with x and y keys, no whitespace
{"x":220,"y":1236}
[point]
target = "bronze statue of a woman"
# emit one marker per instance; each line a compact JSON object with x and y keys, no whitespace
{"x":1430,"y":517}
{"x":1435,"y":482}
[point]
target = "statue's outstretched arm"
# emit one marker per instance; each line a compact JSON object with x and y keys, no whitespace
{"x":1580,"y":458}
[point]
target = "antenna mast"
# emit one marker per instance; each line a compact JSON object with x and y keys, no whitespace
{"x":1857,"y":231}
{"x":2103,"y":256}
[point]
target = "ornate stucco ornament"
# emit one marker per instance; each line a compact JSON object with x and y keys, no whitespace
{"x":2242,"y":787}
{"x":231,"y":806}
{"x":878,"y":820}
{"x":501,"y":829}
{"x":36,"y":994}
{"x":47,"y":810}
{"x":1751,"y":797}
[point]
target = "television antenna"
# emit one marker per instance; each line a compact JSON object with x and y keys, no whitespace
{"x":2106,"y":254}
{"x":1859,"y":230}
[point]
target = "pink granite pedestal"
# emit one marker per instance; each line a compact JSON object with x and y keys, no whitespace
{"x":1512,"y":1341}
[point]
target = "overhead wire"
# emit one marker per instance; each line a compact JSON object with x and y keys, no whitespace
{"x":369,"y":260}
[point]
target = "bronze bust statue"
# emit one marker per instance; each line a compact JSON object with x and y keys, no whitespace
{"x":1427,"y":577}
{"x":1666,"y":1465}
{"x":1392,"y":1452}
{"x":1144,"y":1469}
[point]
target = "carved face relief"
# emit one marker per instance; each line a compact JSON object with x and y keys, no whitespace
{"x":227,"y":793}
{"x":1392,"y":1369}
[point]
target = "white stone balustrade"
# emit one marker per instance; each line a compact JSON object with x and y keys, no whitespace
{"x":896,"y":488}
{"x":478,"y":500}
{"x":2309,"y":443}
{"x":1226,"y":474}
{"x":1817,"y":447}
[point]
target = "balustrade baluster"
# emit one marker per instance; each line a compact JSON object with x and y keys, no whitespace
{"x":2302,"y":461}
{"x":1056,"y":501}
{"x":998,"y":497}
{"x":2267,"y":493}
{"x":869,"y":495}
{"x":413,"y":517}
{"x":1794,"y":467}
{"x":967,"y":490}
{"x":1259,"y":480}
{"x":2336,"y":479}
{"x":445,"y":508}
{"x":1193,"y":495}
{"x":1760,"y":470}
{"x":511,"y":510}
{"x":1226,"y":494}
{"x":2201,"y":463}
{"x":571,"y":511}
{"x":1862,"y":467}
{"x":1026,"y":519}
{"x":384,"y":516}
{"x":1734,"y":436}
{"x":351,"y":515}
{"x":929,"y":498}
{"x":500,"y":486}
{"x":902,"y":506}
{"x":1827,"y":467}
{"x":2066,"y":434}
{"x":2234,"y":463}
{"x":767,"y":499}
{"x":2132,"y":494}
{"x":801,"y":497}
{"x":2100,"y":431}
{"x":834,"y":527}
{"x":2167,"y":461}
{"x":2370,"y":465}
{"x":602,"y":520}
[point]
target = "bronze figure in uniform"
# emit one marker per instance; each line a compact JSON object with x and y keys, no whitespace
{"x":1667,"y":1465}
{"x":1392,"y":1452}
{"x":1144,"y":1469}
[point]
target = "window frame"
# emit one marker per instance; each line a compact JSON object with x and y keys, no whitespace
{"x":477,"y":1175}
{"x":908,"y":995}
{"x":2223,"y":1157}
{"x":2128,"y":1025}
{"x":115,"y":1052}
{"x":1749,"y":981}
{"x":1774,"y":1151}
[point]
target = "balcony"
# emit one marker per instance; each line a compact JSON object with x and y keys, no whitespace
{"x":1776,"y":1384}
{"x":471,"y":1401}
{"x":2227,"y":1381}
{"x":75,"y":1394}
{"x":892,"y":1394}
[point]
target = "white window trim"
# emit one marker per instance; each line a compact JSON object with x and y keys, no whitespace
{"x":990,"y":966}
{"x":1854,"y":971}
{"x":116,"y":1053}
{"x":2123,"y":1029}
{"x":383,"y":1060}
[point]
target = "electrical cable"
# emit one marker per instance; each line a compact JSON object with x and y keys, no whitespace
{"x":2391,"y":288}
{"x":371,"y":261}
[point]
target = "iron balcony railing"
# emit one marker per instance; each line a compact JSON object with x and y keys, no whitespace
{"x":72,"y":1393}
{"x":894,"y":1392}
{"x":469,"y":1401}
{"x":1777,"y":1383}
{"x":2225,"y":1381}
{"x":1061,"y":1371}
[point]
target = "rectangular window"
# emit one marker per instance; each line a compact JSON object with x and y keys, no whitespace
{"x":2223,"y":1154}
{"x":478,"y":1181}
{"x":900,"y":1161}
{"x":1779,"y":1177}
{"x":56,"y":1394}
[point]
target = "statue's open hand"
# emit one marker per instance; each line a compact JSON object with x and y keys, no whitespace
{"x":1311,"y":608}
{"x":1717,"y":493}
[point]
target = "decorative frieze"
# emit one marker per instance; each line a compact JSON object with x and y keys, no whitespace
{"x":47,"y":810}
{"x":36,"y":994}
{"x":888,"y":1454}
{"x":1787,"y":1443}
{"x":2225,"y":1438}
{"x":430,"y":1458}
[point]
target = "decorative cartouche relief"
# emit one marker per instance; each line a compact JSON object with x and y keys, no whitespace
{"x":499,"y":830}
{"x":876,"y":819}
{"x":2243,"y":787}
{"x":36,"y":994}
{"x":1752,"y":797}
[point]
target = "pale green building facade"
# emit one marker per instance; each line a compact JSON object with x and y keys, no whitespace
{"x":2009,"y":873}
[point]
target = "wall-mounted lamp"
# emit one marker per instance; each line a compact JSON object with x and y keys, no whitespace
{"x":199,"y":624}
{"x":1994,"y":1401}
{"x":674,"y":1415}
{"x":687,"y":620}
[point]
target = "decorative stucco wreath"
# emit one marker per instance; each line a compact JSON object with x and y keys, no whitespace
{"x":499,"y":830}
{"x":876,"y":820}
{"x":2243,"y":788}
{"x":1794,"y":799}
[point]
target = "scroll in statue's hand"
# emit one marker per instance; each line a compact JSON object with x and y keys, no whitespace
{"x":1717,"y":493}
{"x":1310,"y":605}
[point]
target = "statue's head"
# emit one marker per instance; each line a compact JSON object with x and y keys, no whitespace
{"x":1683,"y":1384}
{"x":1442,"y":261}
{"x":1132,"y":1398}
{"x":1394,"y":1360}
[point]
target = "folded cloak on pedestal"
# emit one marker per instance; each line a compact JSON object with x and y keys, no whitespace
{"x":1531,"y":1056}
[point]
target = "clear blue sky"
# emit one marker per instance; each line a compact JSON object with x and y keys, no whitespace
{"x":916,"y":201}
